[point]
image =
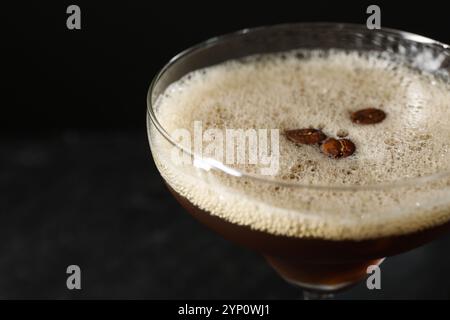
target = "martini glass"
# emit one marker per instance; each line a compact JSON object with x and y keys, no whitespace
{"x":334,"y":261}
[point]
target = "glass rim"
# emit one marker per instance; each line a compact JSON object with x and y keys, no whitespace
{"x":402,"y":182}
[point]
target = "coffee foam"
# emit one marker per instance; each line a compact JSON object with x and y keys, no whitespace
{"x":317,"y":89}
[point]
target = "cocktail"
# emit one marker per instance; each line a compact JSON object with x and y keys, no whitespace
{"x":322,"y":146}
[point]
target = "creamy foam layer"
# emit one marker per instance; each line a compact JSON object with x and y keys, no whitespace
{"x":320,"y":90}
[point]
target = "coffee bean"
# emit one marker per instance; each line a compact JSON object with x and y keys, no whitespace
{"x":338,"y":148}
{"x":368,"y":116}
{"x":331,"y":147}
{"x":305,"y":136}
{"x":347,"y":147}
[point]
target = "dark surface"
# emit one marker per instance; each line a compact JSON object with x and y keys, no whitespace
{"x":96,"y":200}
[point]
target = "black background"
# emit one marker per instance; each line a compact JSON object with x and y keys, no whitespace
{"x":97,"y":77}
{"x":77,"y":183}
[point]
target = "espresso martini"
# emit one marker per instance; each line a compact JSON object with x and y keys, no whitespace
{"x":321,"y":218}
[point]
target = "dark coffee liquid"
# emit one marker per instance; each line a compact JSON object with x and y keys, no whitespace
{"x":307,"y":261}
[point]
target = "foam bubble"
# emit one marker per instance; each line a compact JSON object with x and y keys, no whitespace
{"x":318,"y":90}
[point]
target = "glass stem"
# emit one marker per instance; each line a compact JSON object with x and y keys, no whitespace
{"x":315,"y":295}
